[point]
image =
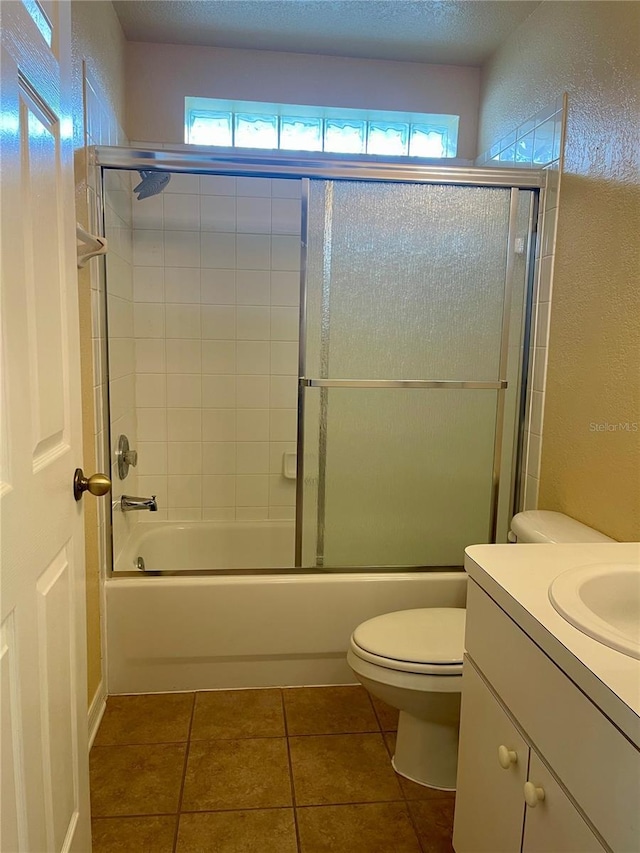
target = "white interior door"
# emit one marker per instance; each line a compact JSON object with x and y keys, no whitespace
{"x":45,"y":792}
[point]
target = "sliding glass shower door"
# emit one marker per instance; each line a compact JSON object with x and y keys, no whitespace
{"x":408,"y":373}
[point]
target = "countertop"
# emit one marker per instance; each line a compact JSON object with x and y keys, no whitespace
{"x":517,"y":577}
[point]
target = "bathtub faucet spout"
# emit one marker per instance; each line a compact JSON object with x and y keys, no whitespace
{"x":129,"y":503}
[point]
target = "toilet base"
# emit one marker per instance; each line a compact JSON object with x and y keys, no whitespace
{"x":426,"y":750}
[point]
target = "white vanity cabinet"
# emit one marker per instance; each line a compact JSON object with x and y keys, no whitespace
{"x":489,"y":799}
{"x":529,"y":735}
{"x":496,"y":763}
{"x":554,"y":825}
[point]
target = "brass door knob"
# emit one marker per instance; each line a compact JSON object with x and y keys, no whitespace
{"x":97,"y":484}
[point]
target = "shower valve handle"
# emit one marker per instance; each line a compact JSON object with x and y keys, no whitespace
{"x":131,"y":456}
{"x":125,"y":457}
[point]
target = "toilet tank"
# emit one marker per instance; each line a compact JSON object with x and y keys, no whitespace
{"x":540,"y":525}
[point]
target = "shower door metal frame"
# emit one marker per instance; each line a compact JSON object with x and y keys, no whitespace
{"x":207,"y":161}
{"x":232,"y":161}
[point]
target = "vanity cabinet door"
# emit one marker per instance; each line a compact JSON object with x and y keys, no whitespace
{"x":554,"y":825}
{"x":492,"y":771}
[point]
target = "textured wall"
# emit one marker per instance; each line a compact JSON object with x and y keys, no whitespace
{"x":98,"y":39}
{"x":590,"y":470}
{"x":98,"y":50}
{"x":160,"y":76}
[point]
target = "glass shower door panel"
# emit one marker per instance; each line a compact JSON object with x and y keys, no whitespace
{"x":407,"y":476}
{"x":405,"y":281}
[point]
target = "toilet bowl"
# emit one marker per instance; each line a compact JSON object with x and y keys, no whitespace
{"x":388,"y":654}
{"x":412,"y":660}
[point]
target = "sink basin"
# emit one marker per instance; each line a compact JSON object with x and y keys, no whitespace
{"x":603,"y":601}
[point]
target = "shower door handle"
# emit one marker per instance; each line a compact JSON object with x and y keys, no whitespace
{"x":450,"y":384}
{"x":97,"y":484}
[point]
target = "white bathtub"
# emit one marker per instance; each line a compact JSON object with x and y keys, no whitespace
{"x":221,"y":631}
{"x":172,"y":547}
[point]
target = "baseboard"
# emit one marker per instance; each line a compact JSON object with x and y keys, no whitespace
{"x":96,"y":711}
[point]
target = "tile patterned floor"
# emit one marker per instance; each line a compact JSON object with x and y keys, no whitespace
{"x":300,"y":770}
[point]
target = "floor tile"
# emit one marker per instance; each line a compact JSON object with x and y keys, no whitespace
{"x":387,"y":716}
{"x":267,"y":831}
{"x":371,"y":828}
{"x":238,"y":714}
{"x":433,"y":820}
{"x":129,"y":834}
{"x":155,"y":718}
{"x":136,"y":780}
{"x":237,"y":774}
{"x":411,"y":790}
{"x":328,"y":710}
{"x":334,"y":769}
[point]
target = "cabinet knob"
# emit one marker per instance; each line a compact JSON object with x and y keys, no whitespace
{"x":533,"y":794}
{"x":507,"y":757}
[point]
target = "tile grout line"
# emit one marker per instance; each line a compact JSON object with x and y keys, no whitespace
{"x":227,"y":810}
{"x":129,"y":816}
{"x":376,"y":715}
{"x":293,"y":790}
{"x":184,"y":773}
{"x":246,"y":809}
{"x":405,"y":798}
{"x":412,"y":820}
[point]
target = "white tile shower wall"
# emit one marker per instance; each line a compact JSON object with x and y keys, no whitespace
{"x":539,"y":343}
{"x":216,"y":283}
{"x":537,"y":143}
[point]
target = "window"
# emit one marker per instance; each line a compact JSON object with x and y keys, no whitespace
{"x":40,"y":19}
{"x":287,"y":127}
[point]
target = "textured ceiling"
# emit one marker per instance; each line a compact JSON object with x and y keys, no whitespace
{"x":457,"y":32}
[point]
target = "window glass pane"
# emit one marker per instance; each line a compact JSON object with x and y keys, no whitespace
{"x":301,"y":134}
{"x":40,"y":19}
{"x":344,"y":137}
{"x":388,"y":138}
{"x":427,"y":141}
{"x":290,"y":127}
{"x":524,"y":149}
{"x":543,"y":143}
{"x":256,"y":131}
{"x":210,"y":129}
{"x":508,"y":155}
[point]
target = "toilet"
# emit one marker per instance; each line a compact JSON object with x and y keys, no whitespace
{"x":412,"y":660}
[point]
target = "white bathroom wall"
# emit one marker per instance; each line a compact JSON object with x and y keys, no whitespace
{"x":216,"y":282}
{"x":160,"y":76}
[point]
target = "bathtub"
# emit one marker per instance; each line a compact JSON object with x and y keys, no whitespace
{"x":266,"y":629}
{"x":193,"y":546}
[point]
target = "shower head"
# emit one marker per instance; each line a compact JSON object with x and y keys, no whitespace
{"x":152,"y":183}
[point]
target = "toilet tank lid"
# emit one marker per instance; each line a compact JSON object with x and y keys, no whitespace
{"x":540,"y":525}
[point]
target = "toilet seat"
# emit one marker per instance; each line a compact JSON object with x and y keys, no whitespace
{"x":403,"y":639}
